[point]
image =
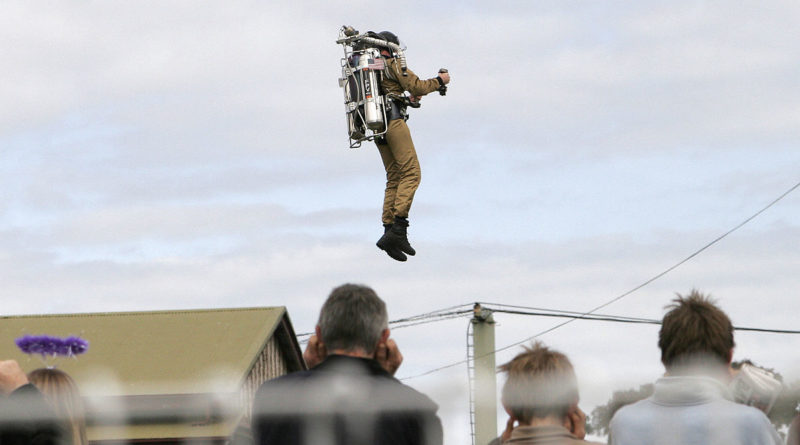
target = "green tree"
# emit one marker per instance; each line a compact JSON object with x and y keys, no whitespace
{"x":600,"y":417}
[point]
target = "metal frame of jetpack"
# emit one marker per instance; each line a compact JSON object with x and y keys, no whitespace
{"x":362,"y":70}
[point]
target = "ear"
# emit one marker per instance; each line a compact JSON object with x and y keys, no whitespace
{"x":384,"y":336}
{"x":318,"y":331}
{"x":730,"y":356}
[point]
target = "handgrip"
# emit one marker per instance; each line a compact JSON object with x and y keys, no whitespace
{"x":443,"y":88}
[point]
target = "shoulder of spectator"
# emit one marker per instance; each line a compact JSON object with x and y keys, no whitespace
{"x":411,"y":396}
{"x":24,"y":390}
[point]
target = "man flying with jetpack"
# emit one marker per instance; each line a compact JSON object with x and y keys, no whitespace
{"x":392,"y":137}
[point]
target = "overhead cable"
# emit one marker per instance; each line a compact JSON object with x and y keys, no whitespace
{"x":415,"y":320}
{"x":656,"y":277}
{"x":622,"y":319}
{"x":615,"y":299}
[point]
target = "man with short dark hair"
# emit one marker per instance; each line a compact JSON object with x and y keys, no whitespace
{"x":541,"y":398}
{"x":692,"y":403}
{"x":349,"y":396}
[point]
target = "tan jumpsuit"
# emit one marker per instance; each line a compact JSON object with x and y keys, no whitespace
{"x":396,"y":148}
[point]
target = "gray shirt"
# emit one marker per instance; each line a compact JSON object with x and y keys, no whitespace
{"x":690,"y":411}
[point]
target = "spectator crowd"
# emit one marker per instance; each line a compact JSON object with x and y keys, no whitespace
{"x":349,"y":395}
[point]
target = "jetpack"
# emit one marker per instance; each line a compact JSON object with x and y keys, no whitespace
{"x":362,"y":70}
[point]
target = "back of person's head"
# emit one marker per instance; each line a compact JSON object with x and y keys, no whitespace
{"x":541,"y":382}
{"x":61,"y":391}
{"x":352,"y":318}
{"x":695,"y":333}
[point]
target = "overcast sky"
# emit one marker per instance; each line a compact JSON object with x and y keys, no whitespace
{"x":193,"y":154}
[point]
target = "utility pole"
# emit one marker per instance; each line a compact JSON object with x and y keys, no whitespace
{"x":485,"y":377}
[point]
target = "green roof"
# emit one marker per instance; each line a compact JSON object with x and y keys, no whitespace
{"x":157,"y":352}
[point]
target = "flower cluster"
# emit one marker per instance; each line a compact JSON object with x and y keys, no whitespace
{"x":46,"y":345}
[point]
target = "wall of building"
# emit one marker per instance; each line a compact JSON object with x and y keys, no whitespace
{"x":270,"y":364}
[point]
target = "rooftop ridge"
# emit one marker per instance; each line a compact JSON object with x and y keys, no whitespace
{"x":148,"y":313}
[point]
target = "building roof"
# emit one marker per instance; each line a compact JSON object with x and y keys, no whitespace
{"x":156,"y":352}
{"x":153,"y":375}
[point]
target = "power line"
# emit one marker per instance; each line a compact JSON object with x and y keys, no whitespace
{"x":592,"y":317}
{"x":415,"y":320}
{"x":459,"y":314}
{"x":435,"y":313}
{"x":668,"y":270}
{"x":615,"y":299}
{"x":585,"y":317}
{"x":436,"y":316}
{"x":550,"y":311}
{"x":622,"y":319}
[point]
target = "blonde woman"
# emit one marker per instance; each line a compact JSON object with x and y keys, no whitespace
{"x":62,"y":393}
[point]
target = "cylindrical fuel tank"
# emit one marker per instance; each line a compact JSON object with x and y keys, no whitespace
{"x":373,"y":103}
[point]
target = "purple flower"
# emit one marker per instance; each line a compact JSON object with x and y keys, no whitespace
{"x":76,"y":345}
{"x":46,"y":345}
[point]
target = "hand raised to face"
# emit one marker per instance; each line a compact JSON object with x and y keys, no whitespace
{"x":315,"y":352}
{"x":389,"y":356}
{"x":11,"y":376}
{"x":575,"y":422}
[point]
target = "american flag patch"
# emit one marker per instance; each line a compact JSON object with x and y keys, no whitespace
{"x":376,"y":64}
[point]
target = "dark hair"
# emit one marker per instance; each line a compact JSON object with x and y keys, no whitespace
{"x":540,"y":382}
{"x":695,"y":332}
{"x":352,"y":317}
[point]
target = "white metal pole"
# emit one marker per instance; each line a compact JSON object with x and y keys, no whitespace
{"x":485,"y":376}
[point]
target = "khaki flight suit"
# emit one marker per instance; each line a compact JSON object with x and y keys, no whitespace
{"x":396,"y":147}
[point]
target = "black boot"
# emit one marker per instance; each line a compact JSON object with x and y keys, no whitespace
{"x":399,"y":232}
{"x":388,"y":243}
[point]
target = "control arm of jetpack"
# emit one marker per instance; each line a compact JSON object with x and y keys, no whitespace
{"x":443,"y":87}
{"x":411,"y":103}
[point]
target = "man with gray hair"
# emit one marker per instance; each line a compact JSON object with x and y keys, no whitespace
{"x":349,"y":395}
